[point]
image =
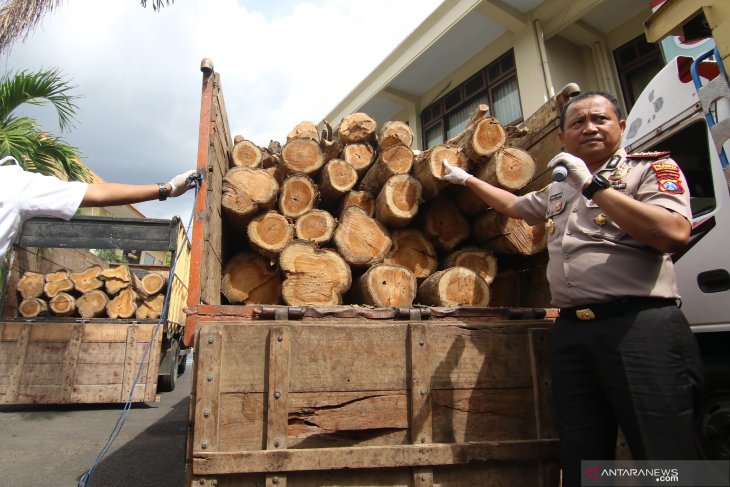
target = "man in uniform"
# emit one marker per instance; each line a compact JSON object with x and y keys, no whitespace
{"x":624,"y":354}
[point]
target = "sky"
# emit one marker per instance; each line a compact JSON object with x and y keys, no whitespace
{"x":137,"y":71}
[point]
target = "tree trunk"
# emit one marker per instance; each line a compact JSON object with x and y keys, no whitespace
{"x":150,"y":308}
{"x":124,"y":305}
{"x":391,"y":162}
{"x":337,"y":178}
{"x":444,"y":224}
{"x":480,"y":261}
{"x":269,"y":233}
{"x":247,"y":191}
{"x":316,"y":226}
{"x":482,"y":139}
{"x":360,"y":156}
{"x":357,"y":127}
{"x":250,"y":279}
{"x":57,"y":282}
{"x":507,"y":235}
{"x":397,"y":202}
{"x":246,"y":154}
{"x":429,"y":169}
{"x":412,"y":250}
{"x":313,"y":276}
{"x":387,"y":285}
{"x":456,"y":286}
{"x":304,"y":130}
{"x":394,"y":133}
{"x":331,"y":149}
{"x":298,"y":195}
{"x":361,"y":240}
{"x":509,"y":168}
{"x":32,"y":308}
{"x":467,"y":201}
{"x":116,"y":278}
{"x":62,"y":304}
{"x":271,"y":155}
{"x":87,"y":280}
{"x":302,"y":156}
{"x":278,"y":172}
{"x":153,"y":283}
{"x":92,"y":304}
{"x":30,"y":285}
{"x":362,"y":199}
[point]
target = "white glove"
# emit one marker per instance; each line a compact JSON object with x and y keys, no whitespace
{"x":455,"y":174}
{"x":179,"y":184}
{"x":578,"y":173}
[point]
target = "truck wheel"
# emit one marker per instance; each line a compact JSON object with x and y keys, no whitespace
{"x":166,"y":383}
{"x":182,"y":365}
{"x":713,"y":426}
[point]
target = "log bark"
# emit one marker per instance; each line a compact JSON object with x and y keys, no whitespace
{"x":360,"y":156}
{"x":316,"y":226}
{"x":482,"y":139}
{"x":357,"y":127}
{"x":249,"y":279}
{"x":57,"y":282}
{"x":87,"y":280}
{"x":153,"y":283}
{"x":150,"y":308}
{"x":92,"y":304}
{"x":269,"y":233}
{"x":456,"y":286}
{"x":298,"y":195}
{"x":507,"y":235}
{"x":412,"y":250}
{"x":391,"y":162}
{"x":302,"y":155}
{"x":62,"y":304}
{"x":271,"y":155}
{"x":467,"y":201}
{"x":444,"y":224}
{"x":361,"y":240}
{"x":124,"y":305}
{"x":32,"y":308}
{"x":337,"y":178}
{"x":509,"y":168}
{"x":481,"y":261}
{"x":247,"y":191}
{"x":278,"y":172}
{"x":506,"y":289}
{"x":304,"y":130}
{"x":387,"y":285}
{"x":397,"y":203}
{"x":246,"y":154}
{"x":361,"y":199}
{"x":331,"y":147}
{"x":30,"y":284}
{"x":313,"y":276}
{"x":116,"y":278}
{"x":394,"y":133}
{"x":428,"y":167}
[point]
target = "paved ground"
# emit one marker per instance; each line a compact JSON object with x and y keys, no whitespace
{"x":52,"y":446}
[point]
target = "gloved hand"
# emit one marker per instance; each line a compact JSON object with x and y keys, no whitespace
{"x":578,"y":173}
{"x":179,"y":184}
{"x":455,"y":174}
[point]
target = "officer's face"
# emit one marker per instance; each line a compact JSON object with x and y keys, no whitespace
{"x":592,"y":130}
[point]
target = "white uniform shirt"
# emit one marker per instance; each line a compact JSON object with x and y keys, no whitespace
{"x":24,"y":195}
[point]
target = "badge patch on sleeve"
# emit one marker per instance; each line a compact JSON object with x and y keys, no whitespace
{"x":668,"y":178}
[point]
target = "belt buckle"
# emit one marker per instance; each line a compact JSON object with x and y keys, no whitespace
{"x":585,"y":314}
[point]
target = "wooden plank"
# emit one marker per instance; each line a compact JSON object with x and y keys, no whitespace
{"x":277,"y":398}
{"x":207,"y":390}
{"x":213,"y":463}
{"x":61,"y":331}
{"x":131,"y":362}
{"x":149,"y":376}
{"x":421,"y":420}
{"x":69,"y":363}
{"x":18,"y":361}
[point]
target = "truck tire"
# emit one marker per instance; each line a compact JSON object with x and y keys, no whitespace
{"x":182,"y":365}
{"x":713,"y":415}
{"x":166,"y":383}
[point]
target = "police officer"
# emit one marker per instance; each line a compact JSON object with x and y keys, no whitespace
{"x":623,"y":353}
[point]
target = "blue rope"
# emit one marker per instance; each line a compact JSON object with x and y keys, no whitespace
{"x":86,"y":477}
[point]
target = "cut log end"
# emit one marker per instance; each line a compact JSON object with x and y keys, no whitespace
{"x":250,"y":279}
{"x":361,"y":240}
{"x":387,"y":285}
{"x":316,"y":226}
{"x":456,"y":286}
{"x":298,"y":195}
{"x":411,"y":249}
{"x":313,"y":276}
{"x":269,"y":233}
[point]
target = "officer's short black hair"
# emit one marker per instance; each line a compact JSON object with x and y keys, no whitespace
{"x":605,"y":94}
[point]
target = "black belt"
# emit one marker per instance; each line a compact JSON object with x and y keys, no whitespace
{"x":599,"y":311}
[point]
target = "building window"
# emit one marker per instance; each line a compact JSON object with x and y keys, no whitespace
{"x":637,"y":62}
{"x":495,"y":85}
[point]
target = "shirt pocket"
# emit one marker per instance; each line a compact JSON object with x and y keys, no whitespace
{"x":599,"y":226}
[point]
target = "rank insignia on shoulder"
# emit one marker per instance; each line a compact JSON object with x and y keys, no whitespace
{"x":649,"y":155}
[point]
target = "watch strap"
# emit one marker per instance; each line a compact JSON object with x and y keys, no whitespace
{"x":164,"y":192}
{"x":597,"y":183}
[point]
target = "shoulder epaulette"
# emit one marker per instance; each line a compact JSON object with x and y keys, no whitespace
{"x":648,"y":155}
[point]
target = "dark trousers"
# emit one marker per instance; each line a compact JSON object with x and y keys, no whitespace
{"x":640,"y":370}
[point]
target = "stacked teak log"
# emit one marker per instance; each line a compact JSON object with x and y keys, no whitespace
{"x":116,"y":293}
{"x":355,"y":216}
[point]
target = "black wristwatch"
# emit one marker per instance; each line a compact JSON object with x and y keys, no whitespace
{"x":597,"y":183}
{"x":164,"y":192}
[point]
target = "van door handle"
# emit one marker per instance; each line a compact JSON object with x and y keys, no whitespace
{"x":714,"y":281}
